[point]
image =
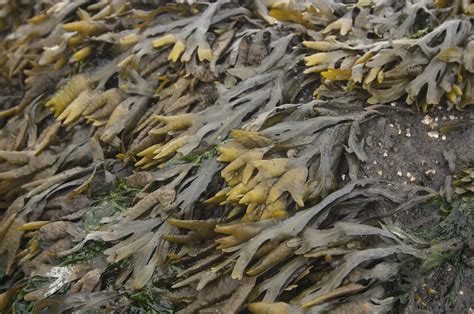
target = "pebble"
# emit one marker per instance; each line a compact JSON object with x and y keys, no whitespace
{"x":433,"y":134}
{"x":407,"y":132}
{"x":430,"y":121}
{"x":427,"y":120}
{"x":430,"y":172}
{"x":369,"y":141}
{"x":410,"y":177}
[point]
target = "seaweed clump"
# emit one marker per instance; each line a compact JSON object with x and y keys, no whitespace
{"x":246,"y":186}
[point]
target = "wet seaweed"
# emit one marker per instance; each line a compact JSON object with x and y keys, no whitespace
{"x":136,"y":135}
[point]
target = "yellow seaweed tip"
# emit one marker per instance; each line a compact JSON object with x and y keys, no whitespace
{"x":204,"y":54}
{"x":81,"y":54}
{"x":129,"y":40}
{"x":318,"y":45}
{"x":38,"y":18}
{"x":337,"y":74}
{"x":177,"y":51}
{"x":34,"y":225}
{"x":164,"y":41}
